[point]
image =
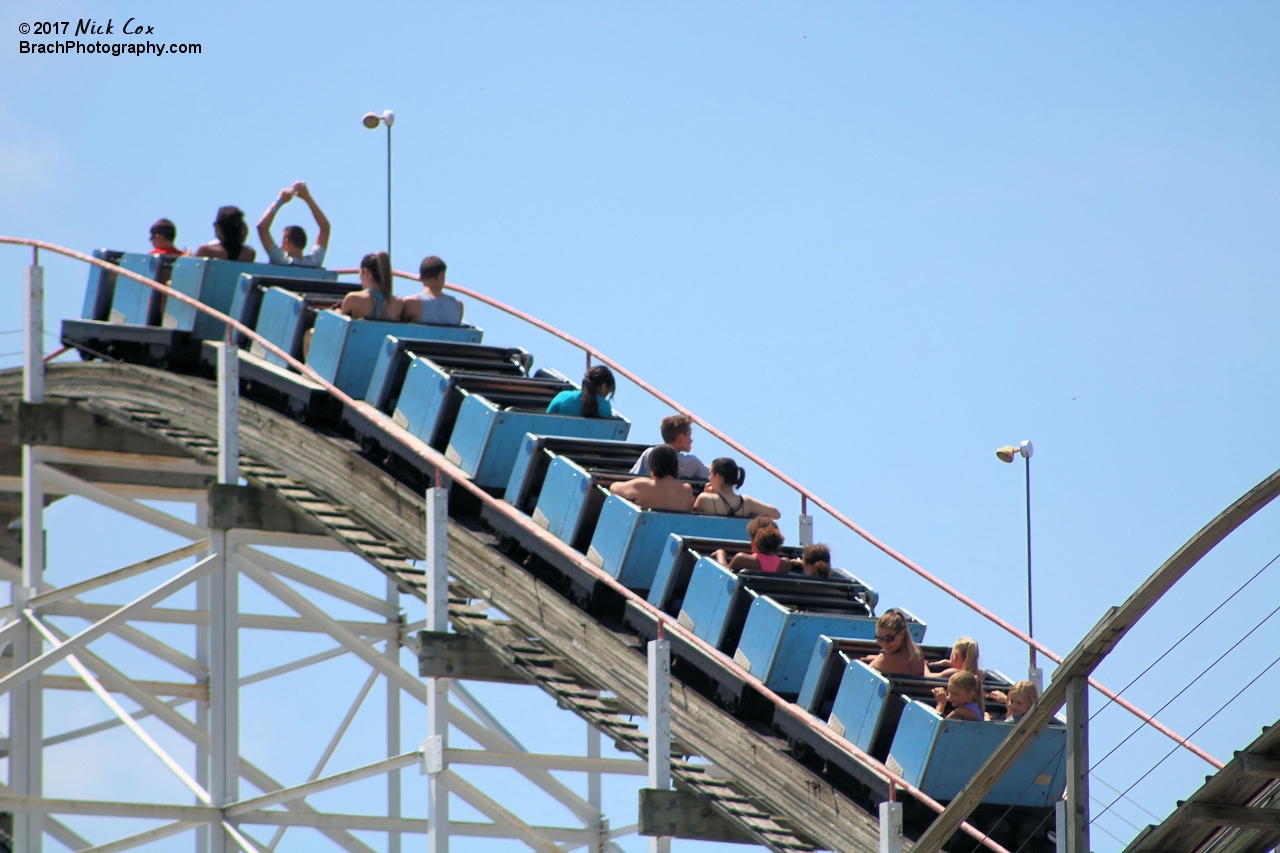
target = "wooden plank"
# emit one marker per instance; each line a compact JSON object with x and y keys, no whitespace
{"x":254,"y":508}
{"x":58,"y":424}
{"x":678,"y":814}
{"x":1259,"y":765}
{"x":1243,"y":817}
{"x":443,"y":655}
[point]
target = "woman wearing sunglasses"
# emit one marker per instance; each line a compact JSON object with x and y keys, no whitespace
{"x":899,"y":654}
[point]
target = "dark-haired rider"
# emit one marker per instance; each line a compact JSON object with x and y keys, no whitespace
{"x":294,"y":240}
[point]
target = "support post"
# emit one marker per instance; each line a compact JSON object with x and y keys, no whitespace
{"x":1060,"y":826}
{"x":393,"y":720}
{"x":224,"y":610}
{"x":806,"y":523}
{"x":601,"y":842}
{"x":891,"y":827}
{"x":204,"y":588}
{"x":26,"y":703}
{"x":228,"y":412}
{"x":437,"y":571}
{"x":660,"y":726}
{"x":1078,"y":766}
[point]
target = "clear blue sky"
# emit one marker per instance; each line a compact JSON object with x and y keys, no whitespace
{"x":873,"y":242}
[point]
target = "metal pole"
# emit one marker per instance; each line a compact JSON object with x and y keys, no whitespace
{"x":224,"y":609}
{"x":437,"y":570}
{"x":660,"y":726}
{"x":393,"y":721}
{"x":389,"y":192}
{"x":1078,"y":766}
{"x":1031,"y":628}
{"x":26,"y":703}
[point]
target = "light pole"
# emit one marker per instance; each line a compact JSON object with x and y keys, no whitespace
{"x":371,"y":121}
{"x":1007,"y":454}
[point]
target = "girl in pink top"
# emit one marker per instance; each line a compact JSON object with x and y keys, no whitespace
{"x":766,"y":539}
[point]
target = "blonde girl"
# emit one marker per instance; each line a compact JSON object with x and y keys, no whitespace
{"x":964,"y":658}
{"x":963,"y":691}
{"x":1021,"y":696}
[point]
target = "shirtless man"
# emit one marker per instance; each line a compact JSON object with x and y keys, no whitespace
{"x":661,"y":490}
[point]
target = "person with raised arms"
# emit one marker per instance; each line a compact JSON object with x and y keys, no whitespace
{"x":294,"y":240}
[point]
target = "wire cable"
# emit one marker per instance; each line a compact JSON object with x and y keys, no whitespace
{"x":1150,"y":813}
{"x":1025,"y":788}
{"x":1221,"y":708}
{"x":1189,"y":685}
{"x":1169,"y":650}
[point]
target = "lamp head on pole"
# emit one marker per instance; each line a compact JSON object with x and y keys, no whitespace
{"x":372,"y":120}
{"x":1008,"y":453}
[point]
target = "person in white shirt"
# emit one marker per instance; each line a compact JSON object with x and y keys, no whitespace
{"x":294,"y":240}
{"x":677,"y":433}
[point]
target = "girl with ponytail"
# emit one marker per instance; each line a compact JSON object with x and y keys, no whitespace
{"x":719,"y":498}
{"x":231,"y":230}
{"x":375,"y":301}
{"x":591,"y":401}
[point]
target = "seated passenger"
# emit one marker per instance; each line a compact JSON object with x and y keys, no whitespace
{"x":964,"y":658}
{"x":816,"y":560}
{"x":1021,"y":696}
{"x":661,"y":490}
{"x":962,"y":692}
{"x":432,"y":305}
{"x":375,"y":301}
{"x":719,"y":498}
{"x":766,"y":539}
{"x":230,"y":229}
{"x":163,"y":233}
{"x":677,"y":431}
{"x":592,"y":401}
{"x":899,"y":654}
{"x":294,"y":239}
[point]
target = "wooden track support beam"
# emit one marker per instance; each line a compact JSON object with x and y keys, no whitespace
{"x":444,"y":655}
{"x":679,"y":814}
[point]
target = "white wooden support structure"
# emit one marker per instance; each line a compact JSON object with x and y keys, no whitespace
{"x":204,"y":710}
{"x":26,"y":704}
{"x":224,"y":610}
{"x":392,"y":652}
{"x":437,"y":569}
{"x":601,"y":842}
{"x":660,"y":726}
{"x":891,"y":827}
{"x":1077,"y":816}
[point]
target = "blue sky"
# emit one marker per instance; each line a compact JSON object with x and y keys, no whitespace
{"x":873,"y":242}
